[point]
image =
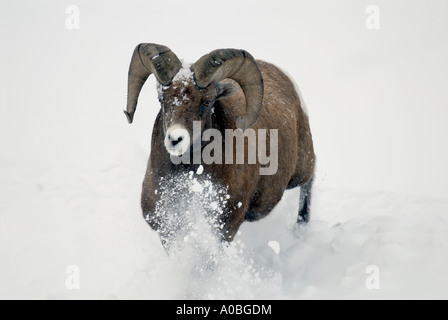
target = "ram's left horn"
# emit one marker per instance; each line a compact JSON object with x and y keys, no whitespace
{"x":149,"y":58}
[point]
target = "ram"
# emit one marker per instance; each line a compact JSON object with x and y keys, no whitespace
{"x":225,"y":89}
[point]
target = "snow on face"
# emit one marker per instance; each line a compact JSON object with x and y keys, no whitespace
{"x":183,"y":76}
{"x":184,"y":73}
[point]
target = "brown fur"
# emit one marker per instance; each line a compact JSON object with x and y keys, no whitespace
{"x":258,"y":194}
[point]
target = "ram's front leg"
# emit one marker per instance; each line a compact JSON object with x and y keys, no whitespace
{"x":149,"y":199}
{"x":231,"y":219}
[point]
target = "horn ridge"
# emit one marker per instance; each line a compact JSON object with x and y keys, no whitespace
{"x":147,"y":59}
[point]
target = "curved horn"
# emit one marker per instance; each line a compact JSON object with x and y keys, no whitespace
{"x":238,"y":65}
{"x":149,"y":58}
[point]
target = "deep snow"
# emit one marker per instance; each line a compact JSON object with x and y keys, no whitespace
{"x":91,"y":219}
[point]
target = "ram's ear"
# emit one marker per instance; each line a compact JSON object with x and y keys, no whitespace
{"x":224,"y":90}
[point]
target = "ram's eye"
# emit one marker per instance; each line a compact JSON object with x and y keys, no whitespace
{"x":204,"y":107}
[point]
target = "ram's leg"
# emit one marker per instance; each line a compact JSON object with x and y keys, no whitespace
{"x":305,"y":202}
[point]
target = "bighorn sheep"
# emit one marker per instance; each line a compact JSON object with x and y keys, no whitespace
{"x":225,"y":89}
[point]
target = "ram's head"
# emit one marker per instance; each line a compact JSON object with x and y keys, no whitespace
{"x":188,"y":93}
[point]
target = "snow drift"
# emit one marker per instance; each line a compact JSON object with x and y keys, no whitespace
{"x":82,"y":217}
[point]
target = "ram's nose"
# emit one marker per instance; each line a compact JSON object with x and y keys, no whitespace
{"x":177,"y":140}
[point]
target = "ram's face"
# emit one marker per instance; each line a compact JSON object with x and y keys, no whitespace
{"x":182,"y":104}
{"x":184,"y":107}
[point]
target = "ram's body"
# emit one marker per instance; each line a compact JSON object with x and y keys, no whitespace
{"x":252,"y":196}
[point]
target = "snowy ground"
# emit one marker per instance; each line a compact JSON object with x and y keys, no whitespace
{"x":71,"y":167}
{"x":53,"y":218}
